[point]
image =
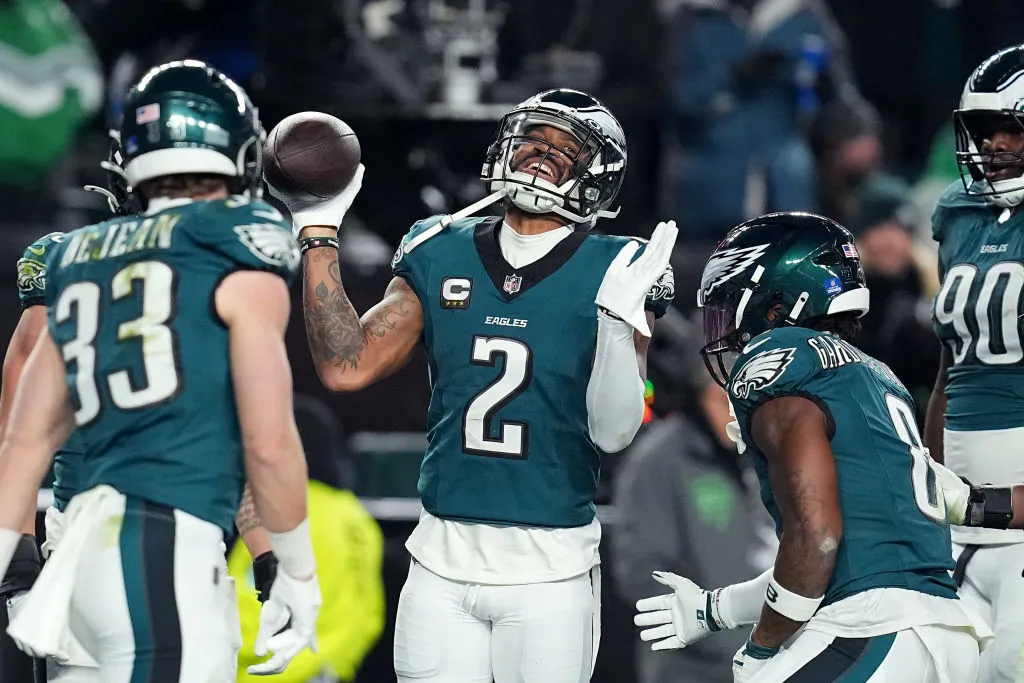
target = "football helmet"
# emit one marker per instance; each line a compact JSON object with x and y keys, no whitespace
{"x":597,"y":165}
{"x":187,"y":117}
{"x":776,"y":270}
{"x":992,"y":101}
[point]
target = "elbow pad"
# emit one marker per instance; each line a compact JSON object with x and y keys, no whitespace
{"x":990,"y":507}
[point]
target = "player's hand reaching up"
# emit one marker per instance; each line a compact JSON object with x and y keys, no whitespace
{"x":327,"y":213}
{"x":627,"y":282}
{"x":291,"y":599}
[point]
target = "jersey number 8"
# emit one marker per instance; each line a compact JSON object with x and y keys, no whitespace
{"x":83,"y":300}
{"x":922,"y":476}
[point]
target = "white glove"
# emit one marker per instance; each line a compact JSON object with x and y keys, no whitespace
{"x":955,"y":492}
{"x":680,"y":618}
{"x":625,"y":285}
{"x":749,"y":660}
{"x":326,"y":212}
{"x":294,"y":599}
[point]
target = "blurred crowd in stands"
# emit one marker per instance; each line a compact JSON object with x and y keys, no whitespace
{"x":732,"y":108}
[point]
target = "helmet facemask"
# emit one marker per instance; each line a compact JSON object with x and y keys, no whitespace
{"x":996,"y":175}
{"x":121,"y":200}
{"x":721,"y":341}
{"x":587,"y":178}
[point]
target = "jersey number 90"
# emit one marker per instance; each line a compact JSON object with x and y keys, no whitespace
{"x":155,"y":283}
{"x":995,"y":313}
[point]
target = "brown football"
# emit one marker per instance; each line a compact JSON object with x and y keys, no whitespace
{"x":310,"y":155}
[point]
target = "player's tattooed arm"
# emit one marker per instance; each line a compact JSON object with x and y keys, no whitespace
{"x":250,"y":526}
{"x":351,"y":352}
{"x":935,"y":417}
{"x":792,"y":433}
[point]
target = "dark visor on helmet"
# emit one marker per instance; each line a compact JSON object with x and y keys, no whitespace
{"x":721,"y":342}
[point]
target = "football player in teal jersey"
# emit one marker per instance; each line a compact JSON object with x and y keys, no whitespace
{"x":535,"y":330}
{"x":75,"y":664}
{"x":861,"y":588}
{"x":164,"y":352}
{"x":976,"y":413}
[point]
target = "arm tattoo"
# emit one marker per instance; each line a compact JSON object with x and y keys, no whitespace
{"x":379,"y":322}
{"x":332,"y":325}
{"x":247,"y":519}
{"x":336,"y":334}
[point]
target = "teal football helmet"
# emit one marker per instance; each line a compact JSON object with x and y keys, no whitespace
{"x":187,"y":117}
{"x":776,"y":270}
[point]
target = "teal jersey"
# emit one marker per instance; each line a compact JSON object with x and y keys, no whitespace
{"x":977,"y":312}
{"x":131,"y":305}
{"x":894,"y":529}
{"x":509,"y":353}
{"x":68,"y":474}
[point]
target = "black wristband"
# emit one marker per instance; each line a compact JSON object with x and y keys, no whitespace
{"x":307,"y":243}
{"x":996,"y":507}
{"x":24,"y":568}
{"x":608,"y":313}
{"x":264,"y":570}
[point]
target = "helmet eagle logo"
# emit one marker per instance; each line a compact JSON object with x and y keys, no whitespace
{"x":727,"y":264}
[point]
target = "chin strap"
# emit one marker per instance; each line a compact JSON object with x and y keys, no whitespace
{"x":473,"y":208}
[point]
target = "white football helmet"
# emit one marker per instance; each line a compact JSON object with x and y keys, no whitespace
{"x":992,"y":101}
{"x":598,"y":166}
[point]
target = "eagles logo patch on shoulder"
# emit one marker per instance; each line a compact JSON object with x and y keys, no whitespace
{"x":270,"y":244}
{"x":31,"y":276}
{"x":761,"y":371}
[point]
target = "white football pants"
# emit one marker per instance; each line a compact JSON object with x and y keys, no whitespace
{"x":994,"y":587}
{"x":923,"y":654}
{"x":151,"y":601}
{"x":452,"y":632}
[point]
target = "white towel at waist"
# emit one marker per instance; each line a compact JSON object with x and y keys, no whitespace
{"x":41,"y":626}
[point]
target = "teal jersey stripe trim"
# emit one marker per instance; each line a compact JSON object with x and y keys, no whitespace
{"x":869,"y":661}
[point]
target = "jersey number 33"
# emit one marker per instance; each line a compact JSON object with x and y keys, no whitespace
{"x":155,"y":283}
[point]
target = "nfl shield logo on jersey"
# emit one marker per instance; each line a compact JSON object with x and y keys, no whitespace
{"x":512,"y":283}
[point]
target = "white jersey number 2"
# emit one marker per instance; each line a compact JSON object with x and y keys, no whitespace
{"x":926,"y":491}
{"x":513,"y":437}
{"x":155,"y":282}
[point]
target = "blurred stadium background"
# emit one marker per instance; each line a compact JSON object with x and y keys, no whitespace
{"x":731,"y":108}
